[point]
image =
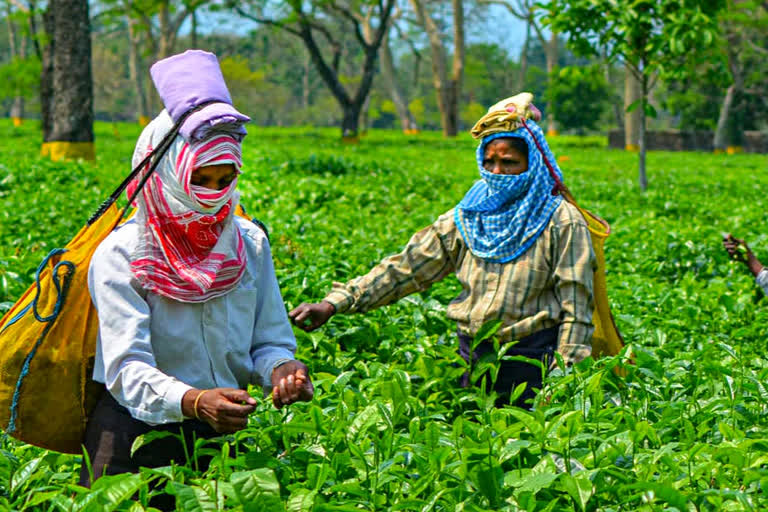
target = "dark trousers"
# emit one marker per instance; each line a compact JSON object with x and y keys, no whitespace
{"x":539,"y":345}
{"x":111,"y":431}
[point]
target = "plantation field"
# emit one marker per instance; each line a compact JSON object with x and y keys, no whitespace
{"x":685,"y":427}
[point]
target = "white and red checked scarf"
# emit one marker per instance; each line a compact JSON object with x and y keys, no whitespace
{"x":190,"y":248}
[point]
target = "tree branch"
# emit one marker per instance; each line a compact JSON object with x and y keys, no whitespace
{"x":267,"y":21}
{"x":355,"y":22}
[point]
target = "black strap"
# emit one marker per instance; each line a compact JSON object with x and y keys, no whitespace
{"x":256,"y":221}
{"x":158,"y":154}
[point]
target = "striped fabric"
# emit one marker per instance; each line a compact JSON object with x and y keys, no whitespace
{"x":548,"y":285}
{"x":190,"y":248}
{"x":502,"y":215}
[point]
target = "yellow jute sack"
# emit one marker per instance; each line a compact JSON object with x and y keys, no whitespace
{"x":606,"y":340}
{"x":48,"y":342}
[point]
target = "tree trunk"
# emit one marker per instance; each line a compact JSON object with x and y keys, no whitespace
{"x":632,"y":120}
{"x":364,"y":117}
{"x":305,"y":82}
{"x":134,"y":71}
{"x":446,"y":89}
{"x":520,"y":86}
{"x":350,"y":122}
{"x":457,"y":71}
{"x":618,"y":114}
{"x":721,"y":132}
{"x":16,"y":52}
{"x":11,"y":30}
{"x":407,"y":121}
{"x":552,"y":57}
{"x":165,"y":46}
{"x":193,"y":14}
{"x":643,"y":100}
{"x":17,"y":110}
{"x":66,"y":82}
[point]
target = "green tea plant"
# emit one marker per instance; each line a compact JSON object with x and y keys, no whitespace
{"x":677,"y":421}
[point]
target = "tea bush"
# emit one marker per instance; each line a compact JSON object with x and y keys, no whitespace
{"x":676,"y":422}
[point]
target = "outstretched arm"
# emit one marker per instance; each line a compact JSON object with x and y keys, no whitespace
{"x":430,"y":255}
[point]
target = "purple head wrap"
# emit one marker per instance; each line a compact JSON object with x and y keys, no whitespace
{"x":189,"y":79}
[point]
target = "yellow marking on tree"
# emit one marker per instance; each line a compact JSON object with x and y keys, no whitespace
{"x":60,"y":150}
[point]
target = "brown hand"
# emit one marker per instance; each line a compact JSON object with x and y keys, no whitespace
{"x":737,"y":249}
{"x":740,"y":251}
{"x":224,"y":409}
{"x":291,"y":383}
{"x":311,"y":316}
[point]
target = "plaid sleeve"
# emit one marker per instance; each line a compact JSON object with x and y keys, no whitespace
{"x":762,"y":280}
{"x":574,"y":265}
{"x":429,"y":256}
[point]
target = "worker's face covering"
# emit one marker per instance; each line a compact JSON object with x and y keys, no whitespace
{"x":502,"y":216}
{"x":190,"y":248}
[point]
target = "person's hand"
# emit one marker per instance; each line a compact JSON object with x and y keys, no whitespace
{"x":311,"y":316}
{"x":224,"y":409}
{"x":291,"y":383}
{"x":740,"y":251}
{"x":737,"y":249}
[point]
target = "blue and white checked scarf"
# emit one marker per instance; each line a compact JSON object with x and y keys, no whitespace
{"x":502,"y":215}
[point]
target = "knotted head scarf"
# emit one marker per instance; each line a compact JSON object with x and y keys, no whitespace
{"x":189,"y":248}
{"x":503,"y":215}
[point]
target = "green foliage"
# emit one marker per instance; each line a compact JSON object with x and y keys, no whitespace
{"x":20,"y":77}
{"x":651,"y":36}
{"x":580,"y":96}
{"x":681,"y":427}
{"x":472,"y":112}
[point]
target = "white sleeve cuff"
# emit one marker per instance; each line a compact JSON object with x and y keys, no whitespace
{"x":762,"y":280}
{"x":171,"y":410}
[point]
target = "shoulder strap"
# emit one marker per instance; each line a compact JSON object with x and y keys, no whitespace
{"x":158,"y":154}
{"x":254,"y":220}
{"x":559,"y":187}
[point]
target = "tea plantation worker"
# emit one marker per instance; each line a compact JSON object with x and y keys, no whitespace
{"x":740,"y":251}
{"x":189,"y":308}
{"x":522,"y":255}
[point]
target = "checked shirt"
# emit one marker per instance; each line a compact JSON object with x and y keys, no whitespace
{"x":550,"y":284}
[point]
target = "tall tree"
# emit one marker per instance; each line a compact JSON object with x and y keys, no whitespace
{"x":66,"y":86}
{"x":744,"y":31}
{"x":153,"y":29}
{"x":135,"y":65}
{"x":654,"y":38}
{"x":632,"y":119}
{"x":532,"y":13}
{"x":389,"y":74}
{"x":17,"y":44}
{"x":447,"y":82}
{"x":330,"y":20}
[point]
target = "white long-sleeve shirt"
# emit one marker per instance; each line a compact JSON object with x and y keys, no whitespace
{"x":151,"y":349}
{"x":762,"y":280}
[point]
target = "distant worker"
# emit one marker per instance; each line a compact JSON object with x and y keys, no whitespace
{"x":739,"y":250}
{"x":522,"y":255}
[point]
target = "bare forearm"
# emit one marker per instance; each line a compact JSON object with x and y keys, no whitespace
{"x":754,"y":264}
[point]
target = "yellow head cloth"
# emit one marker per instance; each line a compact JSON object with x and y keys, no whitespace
{"x":506,"y":115}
